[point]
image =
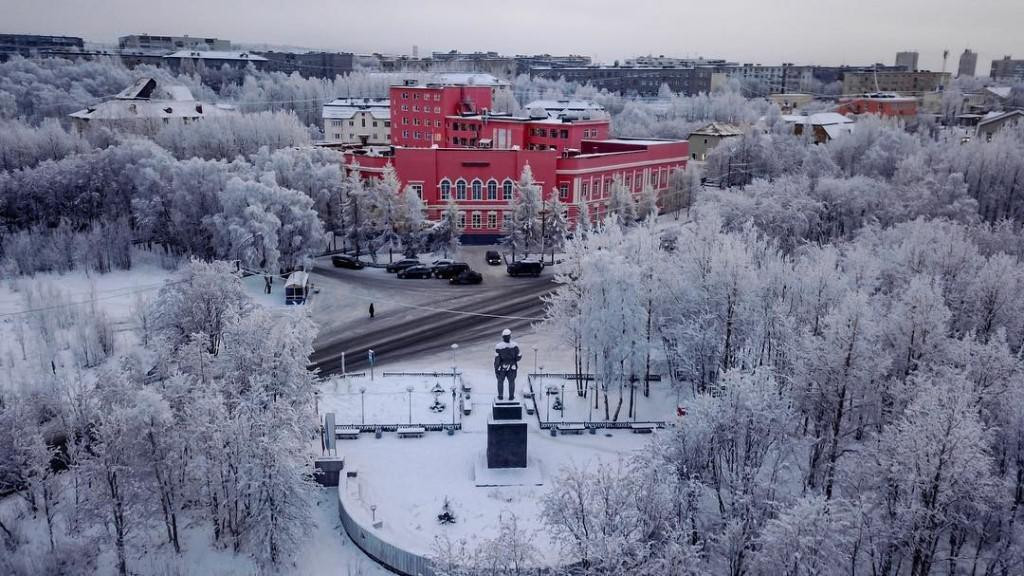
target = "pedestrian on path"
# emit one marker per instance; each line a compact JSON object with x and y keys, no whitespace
{"x":371,"y":309}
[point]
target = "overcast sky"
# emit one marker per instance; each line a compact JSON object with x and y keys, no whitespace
{"x":762,"y":31}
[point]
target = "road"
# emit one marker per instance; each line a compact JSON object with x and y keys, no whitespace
{"x":414,"y":317}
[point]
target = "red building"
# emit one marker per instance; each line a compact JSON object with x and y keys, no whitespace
{"x":418,"y":111}
{"x":474,"y":157}
{"x":891,"y":105}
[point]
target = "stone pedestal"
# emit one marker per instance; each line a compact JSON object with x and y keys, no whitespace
{"x":327,"y":470}
{"x":506,"y":436}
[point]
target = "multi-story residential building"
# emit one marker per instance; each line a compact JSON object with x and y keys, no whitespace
{"x":525,"y":62}
{"x":764,"y":80}
{"x":475,"y":158}
{"x":419,"y":111}
{"x":968,"y":64}
{"x":1008,"y":70}
{"x":357,"y":121}
{"x":641,"y":81}
{"x":310,"y":64}
{"x":171,"y":43}
{"x":907,"y":83}
{"x":907,"y":60}
{"x":486,"y":62}
{"x":27,"y":44}
{"x":194,"y":59}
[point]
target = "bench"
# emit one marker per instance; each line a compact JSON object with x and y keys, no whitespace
{"x":571,"y":428}
{"x":347,"y":434}
{"x":411,"y":432}
{"x":643,"y":428}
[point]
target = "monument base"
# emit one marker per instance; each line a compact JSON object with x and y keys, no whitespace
{"x":483,"y":476}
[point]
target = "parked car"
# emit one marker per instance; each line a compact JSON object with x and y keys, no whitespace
{"x":440,"y":263}
{"x":419,"y":271}
{"x":493,"y":258}
{"x":451,"y":270}
{"x":402,"y":265}
{"x":525,"y":268}
{"x":467,"y":277}
{"x":346,"y":261}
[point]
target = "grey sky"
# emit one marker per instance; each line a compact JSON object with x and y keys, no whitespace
{"x":763,"y":31}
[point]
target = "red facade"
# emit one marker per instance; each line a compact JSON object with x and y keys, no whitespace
{"x":484,"y":181}
{"x":448,"y":146}
{"x":418,"y":112}
{"x":903,"y":106}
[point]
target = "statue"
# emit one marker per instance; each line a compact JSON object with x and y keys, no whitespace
{"x":506,"y":364}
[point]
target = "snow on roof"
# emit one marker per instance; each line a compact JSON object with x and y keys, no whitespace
{"x":179,"y":93}
{"x":1000,"y":91}
{"x":719,"y":129}
{"x":142,"y":88}
{"x":216,"y":55}
{"x":836,"y":131}
{"x":993,"y":117}
{"x":297,"y":278}
{"x":346,"y":108}
{"x":470,"y":79}
{"x":345,"y":113}
{"x":564,"y":108}
{"x":147,"y":109}
{"x":637,"y":141}
{"x":819,"y":119}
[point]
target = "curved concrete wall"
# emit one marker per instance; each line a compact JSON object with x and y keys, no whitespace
{"x":386,"y":554}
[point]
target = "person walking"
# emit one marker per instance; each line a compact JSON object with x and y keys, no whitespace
{"x":371,"y":309}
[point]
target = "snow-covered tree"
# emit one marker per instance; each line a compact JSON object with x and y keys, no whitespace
{"x":523,"y":233}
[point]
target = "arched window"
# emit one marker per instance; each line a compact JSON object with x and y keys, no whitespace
{"x":446,"y":189}
{"x":506,"y":190}
{"x":478,"y":190}
{"x":460,"y":189}
{"x":492,"y":190}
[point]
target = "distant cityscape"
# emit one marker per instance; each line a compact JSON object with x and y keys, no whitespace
{"x":641,"y":76}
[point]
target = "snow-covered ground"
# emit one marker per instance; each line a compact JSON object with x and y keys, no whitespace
{"x":408,"y":480}
{"x":387,"y":400}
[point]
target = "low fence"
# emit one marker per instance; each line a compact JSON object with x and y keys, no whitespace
{"x":430,"y":374}
{"x":384,"y":553}
{"x":394,"y":427}
{"x":591,"y":424}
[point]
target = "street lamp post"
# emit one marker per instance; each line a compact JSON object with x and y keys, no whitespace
{"x":409,"y":390}
{"x":454,"y":371}
{"x":453,"y":410}
{"x":535,"y":360}
{"x":562,"y":400}
{"x":362,"y":404}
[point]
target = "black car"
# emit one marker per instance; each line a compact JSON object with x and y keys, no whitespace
{"x":346,"y":261}
{"x":525,"y":268}
{"x":451,"y":270}
{"x":419,"y":271}
{"x":402,"y":265}
{"x":492,"y":257}
{"x":467,"y":277}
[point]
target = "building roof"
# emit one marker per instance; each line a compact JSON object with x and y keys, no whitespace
{"x":470,"y":79}
{"x":819,"y":119}
{"x":347,"y":112}
{"x":216,"y":55}
{"x":718,"y":129}
{"x":136,"y":103}
{"x":995,"y":117}
{"x":1000,"y":91}
{"x":556,"y":105}
{"x":346,"y":108}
